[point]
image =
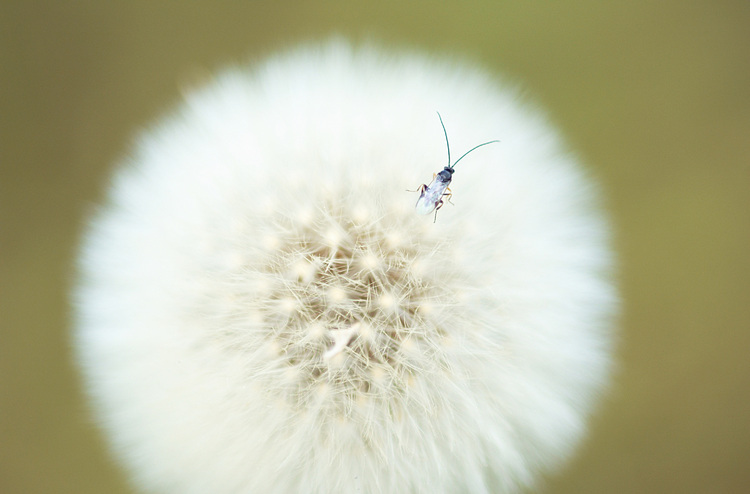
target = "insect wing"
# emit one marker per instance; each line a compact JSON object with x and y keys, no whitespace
{"x":429,"y":199}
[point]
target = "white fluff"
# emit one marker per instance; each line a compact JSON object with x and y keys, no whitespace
{"x":261,"y":310}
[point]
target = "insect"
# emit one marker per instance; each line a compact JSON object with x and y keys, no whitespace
{"x":431,"y":196}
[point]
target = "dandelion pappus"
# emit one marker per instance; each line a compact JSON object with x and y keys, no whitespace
{"x":431,"y":196}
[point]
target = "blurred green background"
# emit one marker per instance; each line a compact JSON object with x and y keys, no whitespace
{"x":655,"y":96}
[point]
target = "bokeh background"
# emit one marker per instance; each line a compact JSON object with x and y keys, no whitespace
{"x":654,"y":96}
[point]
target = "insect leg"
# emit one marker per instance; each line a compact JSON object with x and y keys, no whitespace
{"x":420,"y":189}
{"x":438,"y":205}
{"x":448,"y":194}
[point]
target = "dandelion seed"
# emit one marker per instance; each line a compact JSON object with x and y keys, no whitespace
{"x":387,"y":301}
{"x":273,"y":349}
{"x":271,"y":242}
{"x":304,"y":216}
{"x":360,"y":214}
{"x":366,"y":332}
{"x":288,"y":305}
{"x":426,"y":308}
{"x":333,"y":238}
{"x":394,"y":239}
{"x":341,"y":338}
{"x":370,"y":261}
{"x":336,"y":295}
{"x":304,"y":270}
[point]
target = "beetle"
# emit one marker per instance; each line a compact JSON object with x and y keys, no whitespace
{"x":431,"y":196}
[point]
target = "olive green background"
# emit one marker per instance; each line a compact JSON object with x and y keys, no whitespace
{"x":654,"y":95}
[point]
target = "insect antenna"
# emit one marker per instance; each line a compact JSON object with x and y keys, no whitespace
{"x":472,"y":149}
{"x":446,"y":140}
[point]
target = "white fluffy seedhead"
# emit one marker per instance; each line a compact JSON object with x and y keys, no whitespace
{"x":261,"y":309}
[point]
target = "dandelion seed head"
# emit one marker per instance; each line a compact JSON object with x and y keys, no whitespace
{"x":259,"y":296}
